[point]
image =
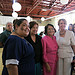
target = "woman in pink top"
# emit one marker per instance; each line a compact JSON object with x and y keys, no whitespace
{"x":50,"y":47}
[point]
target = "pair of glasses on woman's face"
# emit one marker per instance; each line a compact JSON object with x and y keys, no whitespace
{"x":62,"y":23}
{"x":9,"y":25}
{"x":50,"y":29}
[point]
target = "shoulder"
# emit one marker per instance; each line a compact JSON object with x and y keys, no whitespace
{"x":3,"y":35}
{"x":3,"y":32}
{"x":56,"y":34}
{"x":69,"y":32}
{"x":14,"y":39}
{"x":44,"y":38}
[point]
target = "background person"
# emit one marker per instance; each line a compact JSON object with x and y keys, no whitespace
{"x":50,"y":47}
{"x":4,"y":35}
{"x":66,"y":43}
{"x":35,"y":41}
{"x":18,"y":54}
{"x":41,"y":34}
{"x":70,"y":27}
{"x":74,"y":29}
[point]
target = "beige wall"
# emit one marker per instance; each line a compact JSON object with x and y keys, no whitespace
{"x":44,"y":23}
{"x":5,"y":19}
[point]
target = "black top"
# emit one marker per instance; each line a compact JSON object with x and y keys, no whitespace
{"x":37,"y":45}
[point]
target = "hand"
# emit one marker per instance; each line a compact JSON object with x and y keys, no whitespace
{"x":48,"y":67}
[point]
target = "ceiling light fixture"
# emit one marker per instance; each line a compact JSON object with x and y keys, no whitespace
{"x":64,"y":1}
{"x":14,"y":14}
{"x":28,"y":18}
{"x":16,"y":6}
{"x":44,"y":9}
{"x":42,"y":19}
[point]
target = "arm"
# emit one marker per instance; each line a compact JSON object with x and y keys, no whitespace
{"x":72,"y":39}
{"x":44,"y":55}
{"x":44,"y":50}
{"x":73,"y":47}
{"x":12,"y":69}
{"x":12,"y":56}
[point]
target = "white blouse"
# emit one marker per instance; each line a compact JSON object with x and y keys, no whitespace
{"x":65,"y":43}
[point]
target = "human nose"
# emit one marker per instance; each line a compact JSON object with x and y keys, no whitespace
{"x":28,"y":27}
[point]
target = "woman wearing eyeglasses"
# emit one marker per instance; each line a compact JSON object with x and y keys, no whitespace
{"x":66,"y":43}
{"x":50,"y":47}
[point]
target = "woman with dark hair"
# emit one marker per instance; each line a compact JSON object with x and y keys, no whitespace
{"x":41,"y":33}
{"x":66,"y":50}
{"x":70,"y":27}
{"x":35,"y":41}
{"x":50,"y":47}
{"x":18,"y":54}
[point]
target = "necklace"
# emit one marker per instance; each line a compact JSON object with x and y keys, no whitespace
{"x":62,"y":33}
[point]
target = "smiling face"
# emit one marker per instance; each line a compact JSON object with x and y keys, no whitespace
{"x":62,"y":25}
{"x":50,"y":31}
{"x":34,"y":29}
{"x":23,"y":29}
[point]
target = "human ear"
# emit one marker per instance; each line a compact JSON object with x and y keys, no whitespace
{"x":16,"y":26}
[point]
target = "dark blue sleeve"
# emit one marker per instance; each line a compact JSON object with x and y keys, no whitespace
{"x":13,"y":48}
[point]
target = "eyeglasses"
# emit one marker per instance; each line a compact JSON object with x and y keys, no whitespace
{"x":9,"y":25}
{"x":50,"y":29}
{"x":62,"y":23}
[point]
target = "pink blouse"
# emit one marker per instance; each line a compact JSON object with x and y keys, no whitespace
{"x":49,"y":49}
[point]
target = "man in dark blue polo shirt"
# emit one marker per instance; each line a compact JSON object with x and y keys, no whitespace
{"x":4,"y":35}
